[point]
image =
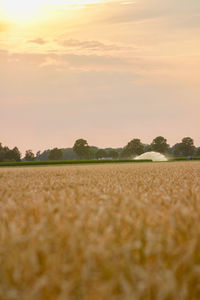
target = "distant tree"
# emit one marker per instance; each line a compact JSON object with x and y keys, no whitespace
{"x":147,"y":148}
{"x":7,"y":154}
{"x":134,"y":147}
{"x":197,"y":153}
{"x":29,"y":156}
{"x":38,"y":154}
{"x":82,"y":149}
{"x":113,"y":154}
{"x":68,"y":154}
{"x":159,"y":144}
{"x":55,"y":154}
{"x":16,"y":154}
{"x":90,"y":153}
{"x":125,"y":153}
{"x":187,"y":146}
{"x":44,"y":156}
{"x":2,"y":153}
{"x":101,"y":153}
{"x":177,"y":149}
{"x":94,"y":148}
{"x":12,"y":155}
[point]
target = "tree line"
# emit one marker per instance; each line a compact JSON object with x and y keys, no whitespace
{"x":135,"y":147}
{"x":81,"y":150}
{"x":7,"y":154}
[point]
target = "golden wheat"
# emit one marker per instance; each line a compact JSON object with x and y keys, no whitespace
{"x":100,"y":232}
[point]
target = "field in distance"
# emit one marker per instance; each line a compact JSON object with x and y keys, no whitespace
{"x":118,"y":231}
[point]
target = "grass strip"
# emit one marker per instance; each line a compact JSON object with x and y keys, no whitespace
{"x":69,"y":162}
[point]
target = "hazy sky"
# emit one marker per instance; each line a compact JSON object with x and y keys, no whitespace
{"x":108,"y":71}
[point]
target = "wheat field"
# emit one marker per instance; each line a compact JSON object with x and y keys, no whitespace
{"x":100,"y":232}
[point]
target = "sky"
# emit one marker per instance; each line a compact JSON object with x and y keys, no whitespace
{"x":107,"y":71}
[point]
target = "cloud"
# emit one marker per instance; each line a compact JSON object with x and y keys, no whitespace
{"x":67,"y":61}
{"x":89,"y":45}
{"x":76,"y":45}
{"x":179,"y":13}
{"x":61,"y":77}
{"x":38,"y":41}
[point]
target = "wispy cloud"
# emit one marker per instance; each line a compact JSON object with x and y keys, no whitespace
{"x":68,"y":61}
{"x":89,"y":45}
{"x":180,"y":13}
{"x":39,"y":41}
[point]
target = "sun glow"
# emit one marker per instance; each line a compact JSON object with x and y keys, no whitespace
{"x":31,"y":10}
{"x":20,"y":10}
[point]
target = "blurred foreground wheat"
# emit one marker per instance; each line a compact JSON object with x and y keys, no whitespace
{"x":100,"y":232}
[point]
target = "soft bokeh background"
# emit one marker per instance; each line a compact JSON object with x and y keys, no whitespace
{"x":107,"y":71}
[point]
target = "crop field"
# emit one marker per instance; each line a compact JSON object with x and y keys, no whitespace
{"x":116,"y":231}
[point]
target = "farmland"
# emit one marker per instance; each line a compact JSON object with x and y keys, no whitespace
{"x":116,"y":231}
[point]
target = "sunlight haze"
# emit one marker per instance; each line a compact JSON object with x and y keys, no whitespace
{"x":107,"y":71}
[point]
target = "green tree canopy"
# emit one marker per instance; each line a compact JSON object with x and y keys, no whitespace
{"x":2,"y":153}
{"x":133,"y":148}
{"x":7,"y":154}
{"x":16,"y":155}
{"x":125,"y":153}
{"x":82,"y":149}
{"x":29,"y":156}
{"x":177,"y":149}
{"x":159,"y":144}
{"x":101,"y":153}
{"x":55,"y":154}
{"x":197,"y":153}
{"x":187,"y":146}
{"x":113,"y":154}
